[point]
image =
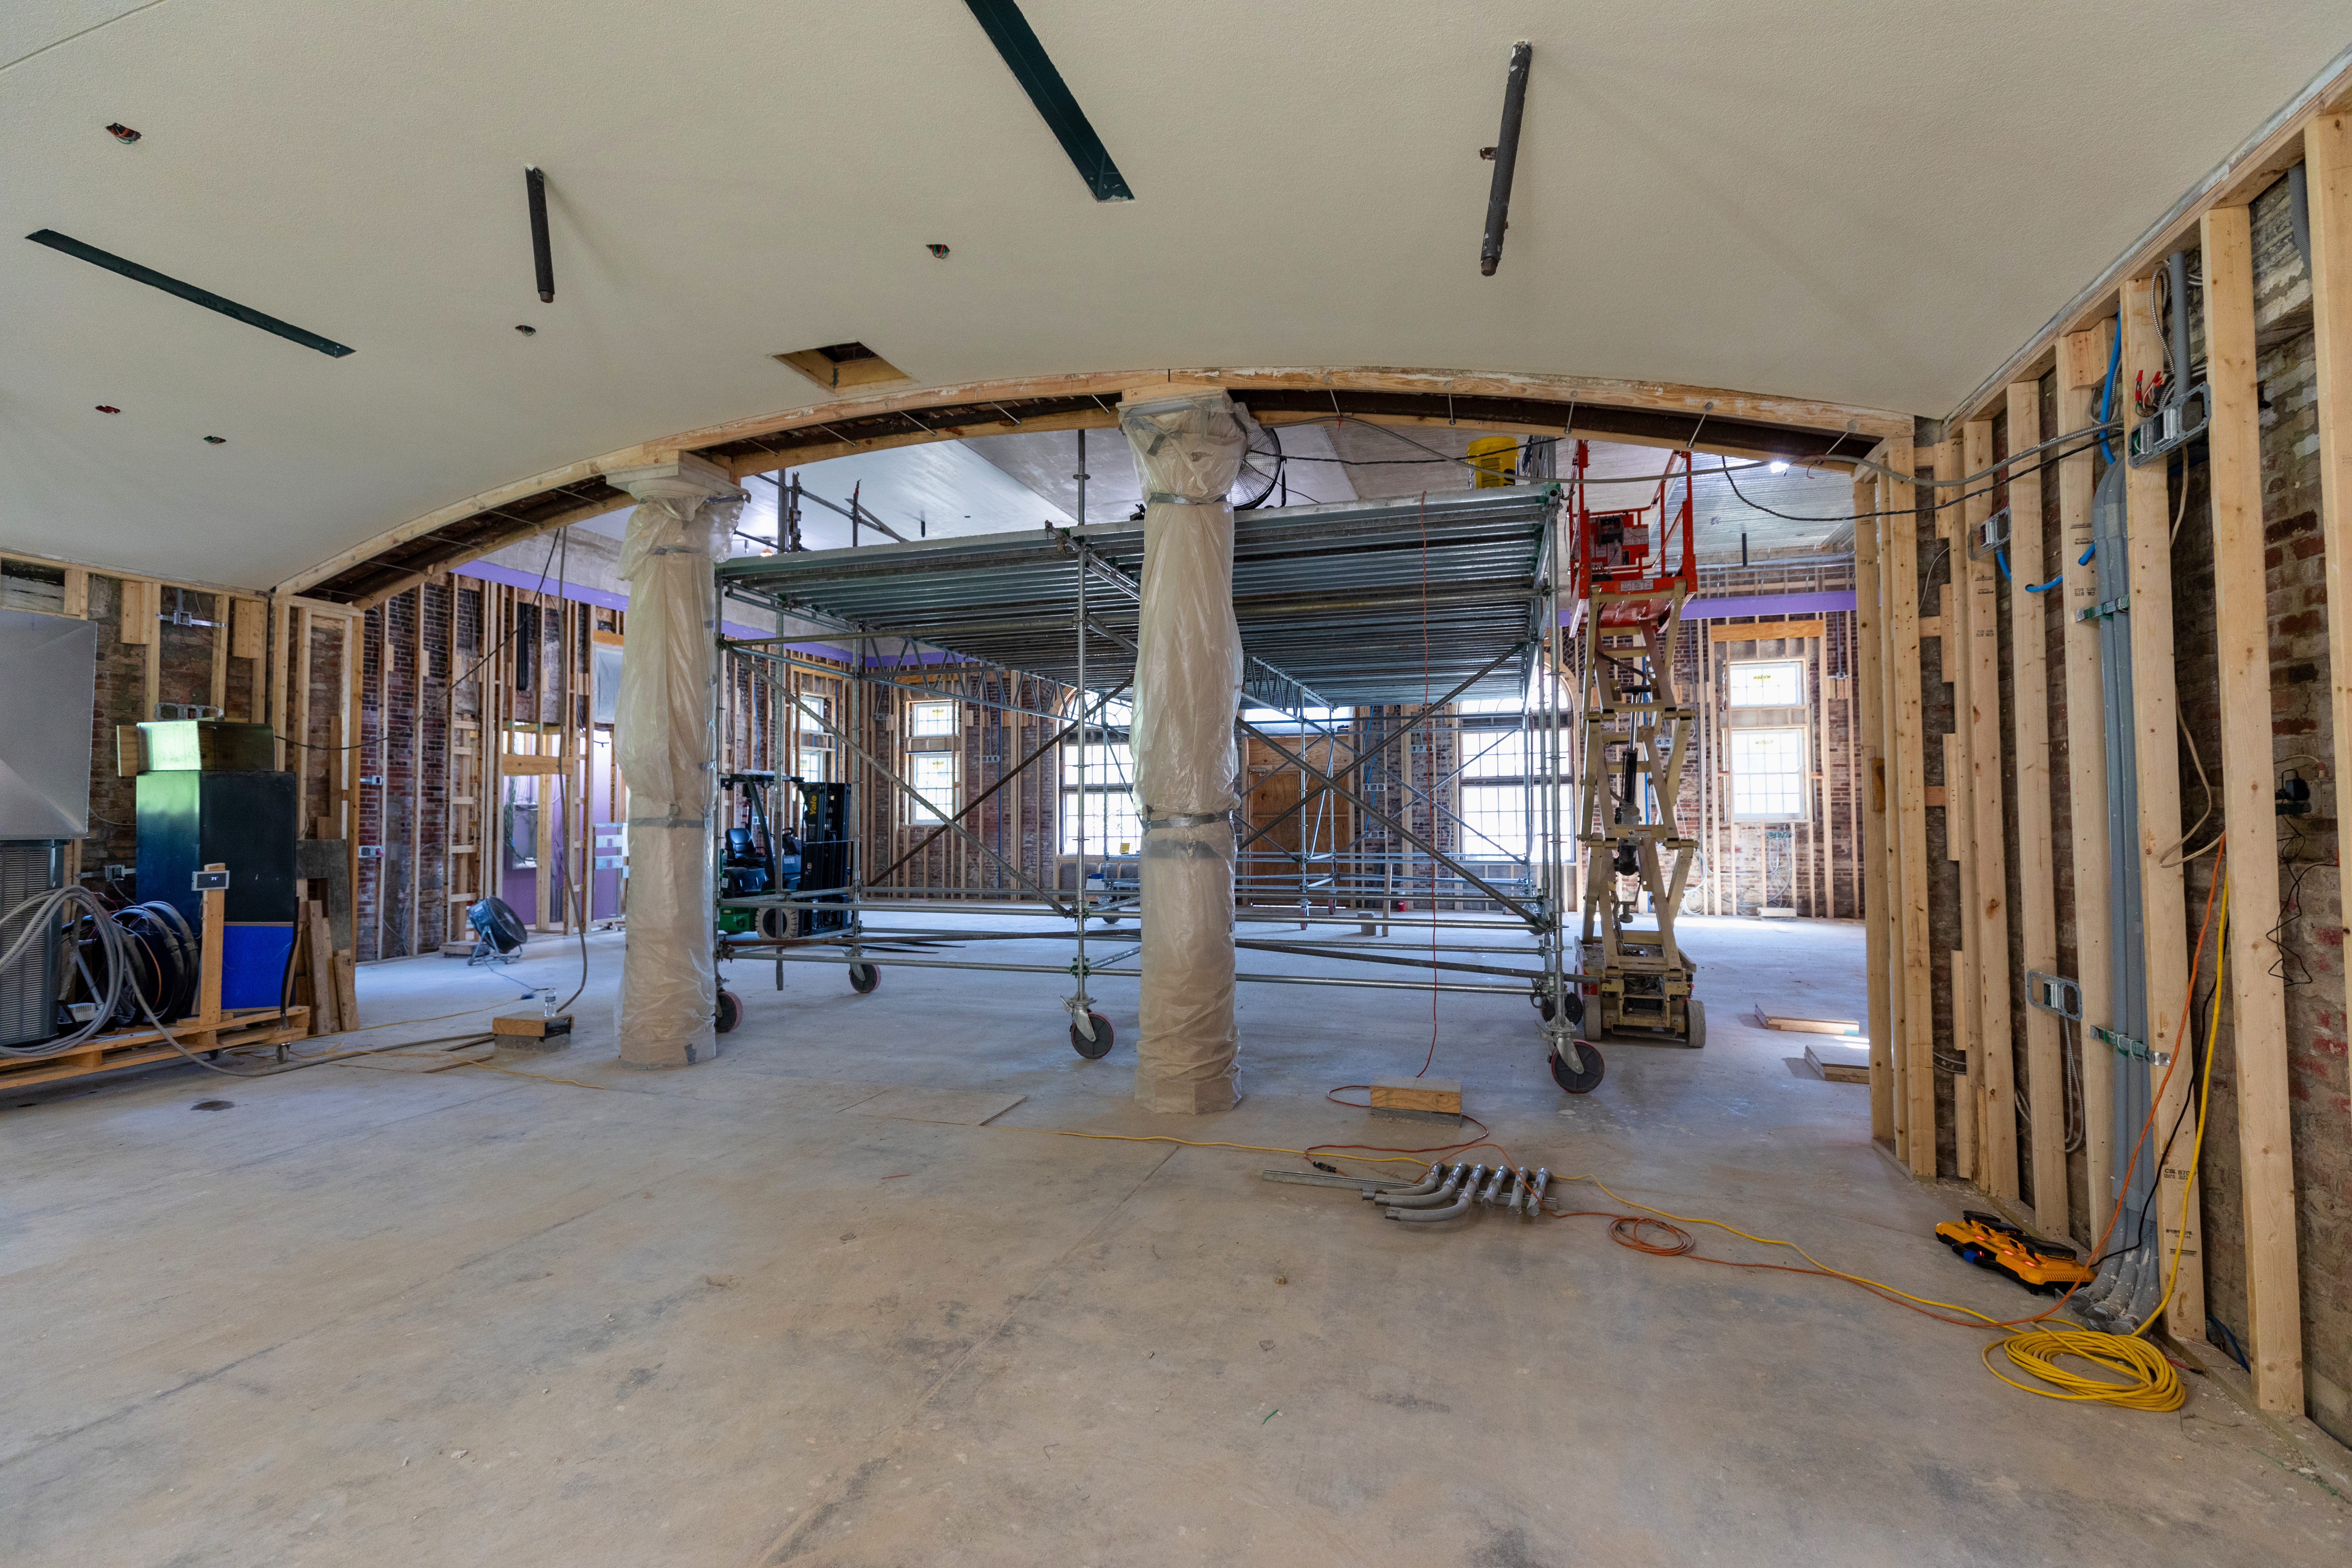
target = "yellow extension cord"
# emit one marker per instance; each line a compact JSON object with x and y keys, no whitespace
{"x":2150,"y":1382}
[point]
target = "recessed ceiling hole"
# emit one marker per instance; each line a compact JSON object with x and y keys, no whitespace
{"x":122,"y":133}
{"x":526,"y":332}
{"x":213,"y":1105}
{"x":939,"y":250}
{"x":837,"y":367}
{"x":216,"y":440}
{"x":106,"y":408}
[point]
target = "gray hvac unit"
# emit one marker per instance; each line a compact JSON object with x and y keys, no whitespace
{"x":45,"y":746}
{"x":28,"y":987}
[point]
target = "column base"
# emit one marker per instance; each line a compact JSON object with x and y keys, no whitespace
{"x":680,"y":1054}
{"x":1183,"y":1098}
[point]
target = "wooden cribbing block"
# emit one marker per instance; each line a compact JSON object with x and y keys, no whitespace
{"x":1418,"y":1099}
{"x":529,"y":1032}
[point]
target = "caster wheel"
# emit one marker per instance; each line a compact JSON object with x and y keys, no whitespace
{"x":1695,"y":1031}
{"x":731,"y":1012}
{"x":864,"y":978}
{"x":773,"y":923}
{"x":1577,"y":1082}
{"x":1093,"y":1050}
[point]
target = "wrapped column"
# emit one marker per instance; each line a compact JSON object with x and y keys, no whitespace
{"x":1188,"y":678}
{"x":666,"y":729}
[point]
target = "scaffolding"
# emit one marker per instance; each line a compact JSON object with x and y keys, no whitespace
{"x":1346,"y":611}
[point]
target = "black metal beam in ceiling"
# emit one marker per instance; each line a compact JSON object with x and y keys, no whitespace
{"x":1014,"y":39}
{"x":188,"y":291}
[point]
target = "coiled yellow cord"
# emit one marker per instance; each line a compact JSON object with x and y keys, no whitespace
{"x":2151,"y":1382}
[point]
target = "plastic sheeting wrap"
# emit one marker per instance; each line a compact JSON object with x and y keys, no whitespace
{"x":1188,"y":678}
{"x":668,"y":743}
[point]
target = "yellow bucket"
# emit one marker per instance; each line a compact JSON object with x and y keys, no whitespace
{"x":1494,"y":459}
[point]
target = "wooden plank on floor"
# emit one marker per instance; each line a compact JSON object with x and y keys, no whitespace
{"x":1870,"y":804}
{"x":2037,"y":911}
{"x":2081,"y":364}
{"x":2257,"y":992}
{"x":2156,"y":723}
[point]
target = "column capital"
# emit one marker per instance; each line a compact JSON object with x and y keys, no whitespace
{"x":681,"y":477}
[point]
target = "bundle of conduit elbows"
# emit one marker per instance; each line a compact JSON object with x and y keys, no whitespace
{"x":1448,"y":1192}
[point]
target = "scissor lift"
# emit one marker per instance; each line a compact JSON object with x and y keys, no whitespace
{"x":1635,"y":731}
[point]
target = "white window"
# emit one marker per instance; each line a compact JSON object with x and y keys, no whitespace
{"x":1106,"y":766}
{"x":931,"y":719}
{"x":1768,"y":683}
{"x":815,"y":712}
{"x":1767,"y":775}
{"x":1496,"y":816}
{"x":1492,"y":754}
{"x":934,"y":774}
{"x":1112,"y":826}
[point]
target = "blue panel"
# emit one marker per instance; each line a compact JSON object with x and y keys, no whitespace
{"x":253,"y":964}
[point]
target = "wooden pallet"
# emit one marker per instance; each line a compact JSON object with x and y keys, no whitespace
{"x":212,"y":1027}
{"x":140,"y":1047}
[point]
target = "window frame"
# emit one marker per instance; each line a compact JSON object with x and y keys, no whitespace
{"x":1801,"y":811}
{"x":1732,"y":677}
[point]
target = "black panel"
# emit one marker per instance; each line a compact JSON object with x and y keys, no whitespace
{"x":242,"y":820}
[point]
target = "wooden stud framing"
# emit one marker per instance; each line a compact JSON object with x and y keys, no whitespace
{"x":1871,"y":807}
{"x":2081,"y":364}
{"x":2037,"y":909}
{"x":1985,"y":920}
{"x":1899,"y":567}
{"x":2257,"y":993}
{"x":2163,"y":895}
{"x":1960,"y":817}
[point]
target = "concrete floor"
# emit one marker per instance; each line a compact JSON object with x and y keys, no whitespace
{"x":731,"y":1315}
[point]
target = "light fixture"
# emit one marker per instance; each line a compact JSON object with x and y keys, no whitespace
{"x":1777,"y":466}
{"x":122,"y":133}
{"x":939,"y":250}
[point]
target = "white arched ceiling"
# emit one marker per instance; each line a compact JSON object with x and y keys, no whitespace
{"x":1856,"y":202}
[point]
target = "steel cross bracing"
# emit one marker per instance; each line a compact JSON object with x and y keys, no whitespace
{"x":1361,"y":605}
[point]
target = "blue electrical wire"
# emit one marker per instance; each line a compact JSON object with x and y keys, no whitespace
{"x":2107,"y":393}
{"x":2044,"y":587}
{"x":2001,"y":556}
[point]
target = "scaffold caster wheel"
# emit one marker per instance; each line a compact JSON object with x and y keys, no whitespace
{"x":731,"y":1012}
{"x":1695,"y":1029}
{"x":1577,"y":1082}
{"x":1093,"y":1050}
{"x":864,"y":978}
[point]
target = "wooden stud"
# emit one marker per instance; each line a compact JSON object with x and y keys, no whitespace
{"x":345,"y":770}
{"x":142,"y":601}
{"x":2257,"y":993}
{"x":2155,"y":722}
{"x":219,"y":695}
{"x":2037,"y":911}
{"x":249,"y":622}
{"x":205,"y":1025}
{"x":1959,"y":817}
{"x":1986,"y":927}
{"x":1888,"y":787}
{"x":2086,"y":771}
{"x":326,"y":1014}
{"x":1899,"y":558}
{"x":2328,"y":154}
{"x":78,"y":593}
